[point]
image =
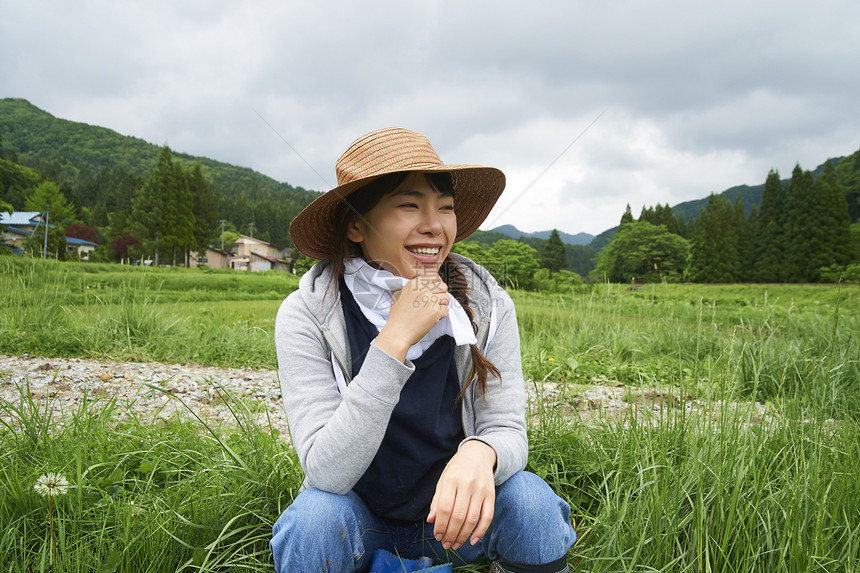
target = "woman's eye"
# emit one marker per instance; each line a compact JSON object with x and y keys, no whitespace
{"x":412,"y":205}
{"x":447,"y":207}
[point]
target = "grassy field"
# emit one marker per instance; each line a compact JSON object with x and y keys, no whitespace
{"x":221,"y":318}
{"x":667,"y":490}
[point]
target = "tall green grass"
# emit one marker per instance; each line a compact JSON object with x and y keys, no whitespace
{"x":93,"y":283}
{"x":223,"y":318}
{"x":698,"y":492}
{"x":799,"y":348}
{"x":717,"y":488}
{"x":685,"y":493}
{"x":143,"y":496}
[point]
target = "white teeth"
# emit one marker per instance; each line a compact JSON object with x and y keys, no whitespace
{"x":425,"y":250}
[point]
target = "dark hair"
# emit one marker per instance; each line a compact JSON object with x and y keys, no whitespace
{"x":458,"y":287}
{"x":363,"y":200}
{"x":357,"y":205}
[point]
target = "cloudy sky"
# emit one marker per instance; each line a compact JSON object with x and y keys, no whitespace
{"x":585,"y":105}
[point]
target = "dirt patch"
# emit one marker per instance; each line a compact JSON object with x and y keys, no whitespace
{"x":162,"y":391}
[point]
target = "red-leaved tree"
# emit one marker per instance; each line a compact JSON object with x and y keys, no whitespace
{"x":126,"y":247}
{"x":81,"y":231}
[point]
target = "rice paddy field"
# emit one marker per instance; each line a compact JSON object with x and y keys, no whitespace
{"x":761,"y":475}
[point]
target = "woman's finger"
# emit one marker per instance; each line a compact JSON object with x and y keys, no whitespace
{"x":456,"y":519}
{"x":431,"y":516}
{"x":443,"y":509}
{"x":473,"y":514}
{"x":487,"y":511}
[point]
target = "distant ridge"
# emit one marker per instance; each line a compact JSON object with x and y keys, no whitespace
{"x":750,"y":195}
{"x":74,"y":152}
{"x":514,"y":233}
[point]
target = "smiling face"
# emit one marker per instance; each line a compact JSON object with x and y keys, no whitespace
{"x":408,"y":232}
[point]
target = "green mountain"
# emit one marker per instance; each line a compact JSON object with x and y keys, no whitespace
{"x":88,"y":161}
{"x":750,"y":195}
{"x":578,"y":256}
{"x":98,"y":170}
{"x":514,"y":233}
{"x":15,"y":180}
{"x":847,"y":171}
{"x":603,"y":239}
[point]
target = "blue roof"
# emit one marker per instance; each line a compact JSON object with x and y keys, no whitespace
{"x":82,"y":242}
{"x":19,"y":231}
{"x":69,"y":240}
{"x":19,"y":218}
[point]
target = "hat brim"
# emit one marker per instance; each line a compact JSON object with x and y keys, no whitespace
{"x":476,"y":190}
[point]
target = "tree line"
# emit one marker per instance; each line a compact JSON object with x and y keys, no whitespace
{"x":801,"y":232}
{"x":172,"y":211}
{"x":164,"y":213}
{"x":527,"y":263}
{"x":99,"y":172}
{"x":137,"y":200}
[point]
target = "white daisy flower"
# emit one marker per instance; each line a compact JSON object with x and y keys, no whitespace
{"x":51,"y":484}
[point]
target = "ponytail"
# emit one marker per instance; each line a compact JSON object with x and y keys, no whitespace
{"x":481,"y":365}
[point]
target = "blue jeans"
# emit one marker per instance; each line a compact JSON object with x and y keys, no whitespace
{"x":333,"y":533}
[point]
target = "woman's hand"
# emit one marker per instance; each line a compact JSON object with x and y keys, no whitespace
{"x":415,"y":309}
{"x":465,"y":496}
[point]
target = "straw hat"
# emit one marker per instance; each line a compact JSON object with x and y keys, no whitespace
{"x":393,"y":150}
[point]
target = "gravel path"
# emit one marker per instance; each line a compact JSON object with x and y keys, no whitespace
{"x":66,"y":382}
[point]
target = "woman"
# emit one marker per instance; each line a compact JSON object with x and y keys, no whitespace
{"x":401,"y":377}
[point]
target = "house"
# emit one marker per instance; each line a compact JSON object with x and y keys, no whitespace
{"x":21,"y":224}
{"x":24,"y":220}
{"x":258,"y":255}
{"x":81,"y":246}
{"x":213,"y":258}
{"x":17,"y":227}
{"x":263,"y":263}
{"x":14,"y":237}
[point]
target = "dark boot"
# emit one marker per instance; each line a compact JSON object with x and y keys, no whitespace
{"x":559,"y":566}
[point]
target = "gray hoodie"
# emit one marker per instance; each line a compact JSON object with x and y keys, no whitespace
{"x":336,"y":432}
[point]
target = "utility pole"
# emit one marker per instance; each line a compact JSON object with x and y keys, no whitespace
{"x":45,"y":247}
{"x":251,"y":232}
{"x":222,"y":232}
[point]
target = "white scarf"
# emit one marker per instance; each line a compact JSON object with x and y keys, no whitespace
{"x":373,"y":288}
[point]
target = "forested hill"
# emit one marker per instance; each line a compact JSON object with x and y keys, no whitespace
{"x":111,"y":181}
{"x":90,"y":162}
{"x":750,"y":195}
{"x":847,"y":170}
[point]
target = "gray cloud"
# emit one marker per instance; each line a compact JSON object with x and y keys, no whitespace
{"x":697,"y":96}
